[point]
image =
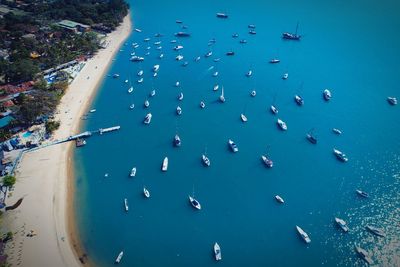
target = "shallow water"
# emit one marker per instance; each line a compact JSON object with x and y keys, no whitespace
{"x":350,"y":48}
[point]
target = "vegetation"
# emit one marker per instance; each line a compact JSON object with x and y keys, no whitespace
{"x":51,"y":126}
{"x":9,"y":180}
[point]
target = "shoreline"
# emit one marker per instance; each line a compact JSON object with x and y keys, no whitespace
{"x":45,"y":177}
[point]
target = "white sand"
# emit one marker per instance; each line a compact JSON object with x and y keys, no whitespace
{"x":43,"y":181}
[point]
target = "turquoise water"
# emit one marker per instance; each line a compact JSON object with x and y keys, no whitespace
{"x":349,"y":47}
{"x":27,"y":134}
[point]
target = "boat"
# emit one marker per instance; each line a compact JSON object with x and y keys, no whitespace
{"x":161,"y":55}
{"x":126,"y":204}
{"x":126,"y":81}
{"x":136,"y":58}
{"x":310,"y":137}
{"x":251,"y":26}
{"x":130,"y":89}
{"x":164,"y":166}
{"x":131,"y":106}
{"x":80,"y":142}
{"x":274,"y":61}
{"x":243,"y":117}
{"x":157,"y":43}
{"x":342,"y":224}
{"x":392,"y":100}
{"x":285,"y":76}
{"x":327,"y":95}
{"x":194,"y":203}
{"x":202,"y":104}
{"x":253,"y":32}
{"x":180,"y":97}
{"x":173,"y":41}
{"x":156,"y":67}
{"x":182,"y":34}
{"x":279,"y":199}
{"x":116,"y":75}
{"x":230,"y":53}
{"x":336,"y":131}
{"x":92,"y":110}
{"x":273,"y":109}
{"x":235,"y":35}
{"x":243,"y":41}
{"x":303,"y":235}
{"x":299,"y":100}
{"x":217,"y":252}
{"x":147,"y":118}
{"x":146,"y":39}
{"x":133,"y":172}
{"x":215,"y":74}
{"x":159,"y":47}
{"x":233,"y":146}
{"x":178,"y":110}
{"x":179,"y":21}
{"x":146,"y":103}
{"x":177,"y":141}
{"x":179,"y":57}
{"x":140,"y":80}
{"x":178,"y":47}
{"x":146,"y":192}
{"x":362,"y":193}
{"x":138,"y":30}
{"x":215,"y":88}
{"x":155,"y":74}
{"x":292,"y":36}
{"x":364,"y":255}
{"x":208,"y":54}
{"x":177,"y":84}
{"x":269,"y":163}
{"x":282,"y":124}
{"x":253,"y":93}
{"x":222,"y":15}
{"x":205,"y":160}
{"x":222,"y":97}
{"x":249,"y":73}
{"x":140,"y":73}
{"x":184,"y":64}
{"x":340,"y":155}
{"x":375,"y":231}
{"x":216,"y":59}
{"x":197,"y":58}
{"x":153,"y":93}
{"x":119,"y":257}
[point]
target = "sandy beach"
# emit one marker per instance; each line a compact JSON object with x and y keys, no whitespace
{"x":45,"y":178}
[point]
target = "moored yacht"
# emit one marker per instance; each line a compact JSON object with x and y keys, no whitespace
{"x":303,"y":235}
{"x":273,"y":109}
{"x":164,"y":166}
{"x":362,"y":193}
{"x":311,"y":137}
{"x":299,"y":100}
{"x":327,"y":95}
{"x":180,"y":96}
{"x":153,"y":93}
{"x":392,"y":100}
{"x":178,"y":47}
{"x":336,"y":131}
{"x":194,"y":203}
{"x":292,"y":36}
{"x":230,"y":53}
{"x":285,"y":76}
{"x":177,"y":141}
{"x":233,"y":146}
{"x":222,"y":97}
{"x":375,"y":231}
{"x":340,"y":155}
{"x":146,"y":103}
{"x":252,"y":32}
{"x":217,"y":252}
{"x":130,"y":89}
{"x":222,"y":15}
{"x":146,"y":192}
{"x":133,"y":172}
{"x":179,"y":57}
{"x":253,"y":93}
{"x":279,"y":199}
{"x":126,"y":205}
{"x":147,"y":118}
{"x":274,"y":61}
{"x":364,"y":255}
{"x":342,"y":224}
{"x":178,"y":110}
{"x":269,"y":163}
{"x":206,"y":160}
{"x":202,"y":104}
{"x":182,"y":34}
{"x":243,"y":117}
{"x":243,"y":41}
{"x":282,"y":124}
{"x":119,"y":257}
{"x":249,"y":73}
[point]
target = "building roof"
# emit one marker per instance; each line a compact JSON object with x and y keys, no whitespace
{"x":69,"y":24}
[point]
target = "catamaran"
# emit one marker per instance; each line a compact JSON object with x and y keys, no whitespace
{"x":133,"y":172}
{"x":303,"y":234}
{"x":233,"y":146}
{"x":282,"y":124}
{"x":119,"y":257}
{"x":147,"y":118}
{"x":164,"y":166}
{"x":194,"y":203}
{"x":217,"y":252}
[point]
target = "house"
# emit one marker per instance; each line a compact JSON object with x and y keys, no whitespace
{"x":4,"y":54}
{"x":73,"y":26}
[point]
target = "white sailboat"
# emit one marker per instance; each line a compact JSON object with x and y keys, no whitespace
{"x":164,"y":166}
{"x":222,"y":97}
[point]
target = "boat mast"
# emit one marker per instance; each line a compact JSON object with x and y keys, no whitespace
{"x":297,"y":26}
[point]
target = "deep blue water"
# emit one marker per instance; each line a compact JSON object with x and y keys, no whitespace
{"x":350,"y":47}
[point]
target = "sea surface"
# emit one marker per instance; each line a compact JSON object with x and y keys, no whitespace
{"x":350,"y":47}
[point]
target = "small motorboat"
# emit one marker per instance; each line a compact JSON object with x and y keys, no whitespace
{"x":133,"y":172}
{"x":206,"y":160}
{"x":202,"y":105}
{"x":152,"y":93}
{"x":362,"y":193}
{"x":337,"y":131}
{"x":243,"y":117}
{"x":194,"y":203}
{"x":177,"y":84}
{"x":119,"y":257}
{"x":177,"y":141}
{"x":147,"y":118}
{"x":235,"y":35}
{"x":215,"y":88}
{"x":197,"y":59}
{"x":273,"y":109}
{"x":233,"y":146}
{"x":279,"y":199}
{"x":140,"y":80}
{"x":208,"y":54}
{"x":222,"y":15}
{"x":178,"y":110}
{"x":178,"y":47}
{"x":156,"y":68}
{"x":299,"y":100}
{"x":178,"y":57}
{"x":126,"y":205}
{"x":243,"y":41}
{"x":180,"y":96}
{"x":230,"y":53}
{"x":146,"y":192}
{"x":392,"y":100}
{"x":327,"y":95}
{"x":253,"y":93}
{"x":282,"y":124}
{"x":269,"y":163}
{"x":253,"y":32}
{"x":130,"y":89}
{"x":146,"y":103}
{"x":274,"y":61}
{"x":285,"y":76}
{"x":217,"y":252}
{"x":131,"y":106}
{"x":140,"y":73}
{"x":249,"y":73}
{"x":164,"y":166}
{"x":215,"y":74}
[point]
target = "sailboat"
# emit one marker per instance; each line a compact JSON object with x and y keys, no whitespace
{"x":222,"y":97}
{"x":292,"y":36}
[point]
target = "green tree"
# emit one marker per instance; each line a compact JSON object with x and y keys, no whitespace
{"x":9,"y":180}
{"x":51,"y":126}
